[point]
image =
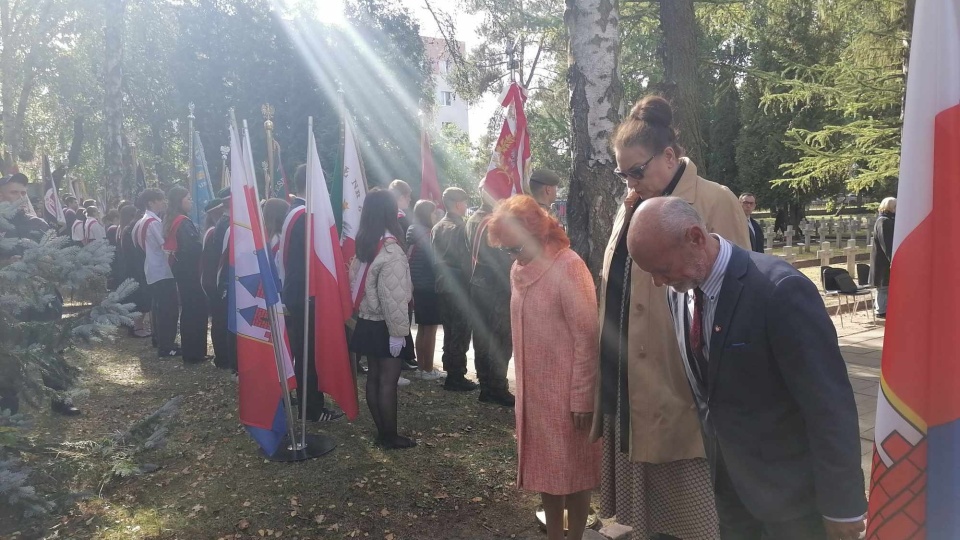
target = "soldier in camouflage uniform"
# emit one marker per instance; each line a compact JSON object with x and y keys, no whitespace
{"x":543,"y":188}
{"x":490,"y":292}
{"x":452,"y":257}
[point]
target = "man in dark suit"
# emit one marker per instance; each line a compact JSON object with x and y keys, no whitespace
{"x":749,"y":203}
{"x":776,"y":407}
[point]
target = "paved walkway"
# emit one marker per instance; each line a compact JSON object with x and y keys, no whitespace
{"x":861,"y":342}
{"x":862,"y":346}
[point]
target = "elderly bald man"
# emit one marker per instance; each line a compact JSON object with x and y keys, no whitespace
{"x":776,"y":406}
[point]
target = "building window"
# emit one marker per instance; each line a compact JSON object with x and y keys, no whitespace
{"x":444,"y":66}
{"x":446,"y":98}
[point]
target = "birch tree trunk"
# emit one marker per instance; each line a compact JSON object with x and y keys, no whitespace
{"x":679,"y":24}
{"x":113,"y":96}
{"x":595,"y":105}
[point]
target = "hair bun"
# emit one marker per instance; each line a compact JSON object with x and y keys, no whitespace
{"x":653,"y":110}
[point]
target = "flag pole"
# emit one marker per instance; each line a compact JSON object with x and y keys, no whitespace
{"x":224,"y":177}
{"x":268,"y":111}
{"x":274,"y":321}
{"x":308,"y":245}
{"x":190,"y":119}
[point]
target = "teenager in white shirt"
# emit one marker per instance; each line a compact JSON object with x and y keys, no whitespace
{"x":92,"y":228}
{"x":148,"y":236}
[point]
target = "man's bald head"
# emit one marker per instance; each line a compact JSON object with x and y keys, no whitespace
{"x":668,"y":239}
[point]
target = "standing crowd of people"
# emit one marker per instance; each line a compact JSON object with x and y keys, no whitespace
{"x":700,"y":388}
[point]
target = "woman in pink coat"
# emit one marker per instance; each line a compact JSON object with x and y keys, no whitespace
{"x":555,"y":340}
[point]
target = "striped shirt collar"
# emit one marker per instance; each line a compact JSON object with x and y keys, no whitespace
{"x":711,"y":286}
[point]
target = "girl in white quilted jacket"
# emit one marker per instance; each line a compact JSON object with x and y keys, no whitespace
{"x":380,"y":279}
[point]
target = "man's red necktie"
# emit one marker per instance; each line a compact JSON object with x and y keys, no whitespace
{"x":696,"y":326}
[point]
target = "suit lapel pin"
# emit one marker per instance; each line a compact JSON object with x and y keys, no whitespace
{"x":717,"y":329}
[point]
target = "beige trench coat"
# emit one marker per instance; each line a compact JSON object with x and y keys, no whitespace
{"x":663,"y":418}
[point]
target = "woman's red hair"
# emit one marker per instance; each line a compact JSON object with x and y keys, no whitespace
{"x":519,"y":219}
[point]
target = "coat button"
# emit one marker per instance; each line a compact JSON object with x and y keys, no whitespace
{"x":639,"y":308}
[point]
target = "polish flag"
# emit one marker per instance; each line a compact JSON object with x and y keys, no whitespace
{"x":330,"y":287}
{"x":354,"y":192}
{"x":915,"y":484}
{"x":509,"y":166}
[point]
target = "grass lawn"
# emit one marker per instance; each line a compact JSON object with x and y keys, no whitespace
{"x":457,"y":484}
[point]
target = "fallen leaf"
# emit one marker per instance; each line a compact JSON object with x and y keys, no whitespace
{"x":440,"y":496}
{"x":384,"y":512}
{"x":388,"y":537}
{"x":262,"y":532}
{"x":319,"y":518}
{"x":243,"y":524}
{"x":246,"y":503}
{"x":476,"y":499}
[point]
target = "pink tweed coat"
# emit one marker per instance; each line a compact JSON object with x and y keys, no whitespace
{"x":555,"y":341}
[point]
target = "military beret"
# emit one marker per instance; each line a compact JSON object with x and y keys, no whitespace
{"x":545,"y":177}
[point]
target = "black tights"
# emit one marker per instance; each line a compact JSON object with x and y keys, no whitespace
{"x":382,"y":400}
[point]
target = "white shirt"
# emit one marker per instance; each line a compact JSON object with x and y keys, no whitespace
{"x":95,"y":230}
{"x":76,"y":231}
{"x":155,"y":266}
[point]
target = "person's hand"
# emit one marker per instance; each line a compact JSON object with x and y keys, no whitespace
{"x":582,"y":420}
{"x":396,"y":345}
{"x":841,"y":530}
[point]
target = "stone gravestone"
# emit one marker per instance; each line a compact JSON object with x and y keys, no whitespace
{"x":839,"y":231}
{"x":768,"y":238}
{"x":788,"y":250}
{"x":822,"y":229}
{"x":851,"y":251}
{"x":854,"y":227}
{"x":825,"y":253}
{"x":807,"y":236}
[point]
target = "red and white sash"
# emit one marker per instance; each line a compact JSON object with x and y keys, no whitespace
{"x":139,"y":233}
{"x":88,"y":229}
{"x":76,"y":231}
{"x":358,"y":286}
{"x":283,"y":248}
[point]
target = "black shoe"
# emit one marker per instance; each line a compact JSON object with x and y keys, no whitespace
{"x":169,"y":353}
{"x":408,"y":365}
{"x":503,"y":397}
{"x":459,"y":384}
{"x":362,"y":369}
{"x":326,"y":415}
{"x":196,"y":361}
{"x":64,"y":408}
{"x":881,"y":315}
{"x":396,"y":442}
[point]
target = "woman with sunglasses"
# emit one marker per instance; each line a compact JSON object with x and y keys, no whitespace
{"x":553,"y":314}
{"x":656,"y":478}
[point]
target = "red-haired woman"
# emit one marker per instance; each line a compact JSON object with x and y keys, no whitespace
{"x":553,"y":311}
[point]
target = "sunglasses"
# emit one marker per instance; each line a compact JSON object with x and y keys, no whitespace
{"x":636,"y":173}
{"x":512,"y":251}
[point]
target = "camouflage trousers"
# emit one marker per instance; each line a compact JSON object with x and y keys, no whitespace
{"x":492,"y":337}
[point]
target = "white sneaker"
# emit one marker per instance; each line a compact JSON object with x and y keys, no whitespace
{"x":403,"y":381}
{"x":431,"y":375}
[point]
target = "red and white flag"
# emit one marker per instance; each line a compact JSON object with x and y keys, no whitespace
{"x":429,"y":185}
{"x":915,"y":483}
{"x":354,"y":192}
{"x":510,"y":163}
{"x":330,"y":287}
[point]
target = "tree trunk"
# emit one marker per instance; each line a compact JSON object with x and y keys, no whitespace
{"x":7,"y":80}
{"x":595,"y":105}
{"x":679,"y":26}
{"x":113,"y":96}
